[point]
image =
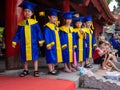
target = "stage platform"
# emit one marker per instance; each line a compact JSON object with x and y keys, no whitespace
{"x":30,"y":83}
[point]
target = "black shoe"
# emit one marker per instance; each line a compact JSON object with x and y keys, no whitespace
{"x":53,"y":72}
{"x":36,"y":74}
{"x":24,"y":73}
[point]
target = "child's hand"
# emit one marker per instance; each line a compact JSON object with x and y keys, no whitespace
{"x":81,"y":31}
{"x":105,"y":51}
{"x":40,"y":45}
{"x":64,"y":48}
{"x":108,"y":51}
{"x":13,"y":45}
{"x":49,"y":48}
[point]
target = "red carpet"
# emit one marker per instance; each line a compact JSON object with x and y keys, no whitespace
{"x":31,"y":83}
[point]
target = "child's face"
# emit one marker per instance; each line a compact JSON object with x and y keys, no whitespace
{"x":78,"y":24}
{"x":68,"y":21}
{"x":27,"y":13}
{"x":102,"y":45}
{"x":52,"y":19}
{"x":88,"y":24}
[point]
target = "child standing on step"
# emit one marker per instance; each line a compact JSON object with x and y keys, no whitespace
{"x":90,"y":40}
{"x":52,"y":41}
{"x":80,"y":40}
{"x":68,"y":42}
{"x":30,"y":36}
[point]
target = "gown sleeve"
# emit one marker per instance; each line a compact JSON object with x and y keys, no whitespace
{"x":17,"y":36}
{"x":75,"y":37}
{"x":39,"y":34}
{"x":63,"y":39}
{"x":48,"y":37}
{"x":93,"y":40}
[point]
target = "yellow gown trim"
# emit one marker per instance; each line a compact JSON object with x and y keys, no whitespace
{"x":64,"y":46}
{"x":95,"y":45}
{"x":41,"y":42}
{"x":90,"y":32}
{"x":28,"y":42}
{"x":75,"y":46}
{"x":66,"y":29}
{"x":30,"y":21}
{"x":27,"y":30}
{"x":50,"y":44}
{"x":14,"y":43}
{"x":52,"y":26}
{"x":80,"y":43}
{"x":70,"y":41}
{"x":70,"y":47}
{"x":58,"y":45}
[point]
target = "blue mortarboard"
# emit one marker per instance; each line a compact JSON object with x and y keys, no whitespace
{"x":28,"y":5}
{"x":78,"y":19}
{"x":52,"y":11}
{"x":67,"y":15}
{"x":88,"y":18}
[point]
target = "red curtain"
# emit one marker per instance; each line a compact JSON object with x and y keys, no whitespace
{"x":13,"y":14}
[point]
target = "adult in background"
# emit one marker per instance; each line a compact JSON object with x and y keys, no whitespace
{"x":114,"y":40}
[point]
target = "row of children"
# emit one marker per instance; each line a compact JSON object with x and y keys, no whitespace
{"x":60,"y":42}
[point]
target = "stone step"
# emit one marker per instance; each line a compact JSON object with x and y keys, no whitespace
{"x":74,"y":76}
{"x":99,"y":83}
{"x":86,"y":89}
{"x":95,"y":68}
{"x":43,"y":74}
{"x":118,"y":58}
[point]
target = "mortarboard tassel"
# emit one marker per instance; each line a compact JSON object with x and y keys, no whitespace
{"x":34,"y":17}
{"x":42,"y":13}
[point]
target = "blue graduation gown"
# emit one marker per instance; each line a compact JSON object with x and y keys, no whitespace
{"x":68,"y":41}
{"x":81,"y":45}
{"x":52,"y":39}
{"x":30,"y":36}
{"x":91,"y":42}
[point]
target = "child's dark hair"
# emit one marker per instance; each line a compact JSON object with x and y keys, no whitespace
{"x":100,"y":33}
{"x":100,"y":42}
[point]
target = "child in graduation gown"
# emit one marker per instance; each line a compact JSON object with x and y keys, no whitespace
{"x":30,"y":36}
{"x":67,"y":41}
{"x":90,"y":39}
{"x":80,"y":40}
{"x":52,"y":41}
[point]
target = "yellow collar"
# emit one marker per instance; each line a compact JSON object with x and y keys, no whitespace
{"x":30,"y":21}
{"x":87,"y":30}
{"x":66,"y":29}
{"x":51,"y":26}
{"x":76,"y":30}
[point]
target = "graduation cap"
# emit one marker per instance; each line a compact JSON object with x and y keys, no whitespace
{"x":87,"y":18}
{"x":67,"y":15}
{"x":28,"y":5}
{"x":52,"y":11}
{"x":78,"y":19}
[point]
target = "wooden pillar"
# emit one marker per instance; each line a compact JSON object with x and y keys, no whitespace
{"x":98,"y":29}
{"x":65,"y":5}
{"x":65,"y":8}
{"x":13,"y":14}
